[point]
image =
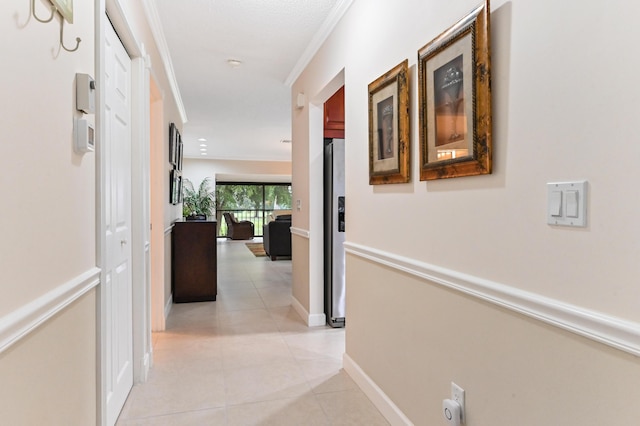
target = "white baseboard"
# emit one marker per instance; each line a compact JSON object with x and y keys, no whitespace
{"x":616,"y":332}
{"x":19,"y":323}
{"x":382,"y":402}
{"x":145,"y":367}
{"x":317,"y":320}
{"x":312,"y":320}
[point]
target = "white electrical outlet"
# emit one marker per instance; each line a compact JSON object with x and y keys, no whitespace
{"x":457,"y":394}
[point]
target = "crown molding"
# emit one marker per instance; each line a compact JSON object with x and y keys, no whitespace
{"x":318,"y":39}
{"x":155,"y":25}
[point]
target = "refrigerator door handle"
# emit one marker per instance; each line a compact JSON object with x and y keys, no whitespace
{"x":340,"y":214}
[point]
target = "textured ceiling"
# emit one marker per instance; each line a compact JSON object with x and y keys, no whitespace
{"x":243,"y":112}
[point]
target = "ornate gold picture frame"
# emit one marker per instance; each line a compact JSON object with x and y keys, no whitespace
{"x":454,"y":89}
{"x":389,"y":144}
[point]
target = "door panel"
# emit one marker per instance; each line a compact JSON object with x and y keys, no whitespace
{"x":117,"y":202}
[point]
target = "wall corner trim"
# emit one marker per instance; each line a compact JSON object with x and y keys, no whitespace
{"x":612,"y":331}
{"x":301,"y":232}
{"x":168,"y":306}
{"x":19,"y":323}
{"x":312,"y":320}
{"x":382,"y":402}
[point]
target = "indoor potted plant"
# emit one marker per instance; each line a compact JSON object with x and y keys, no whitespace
{"x":197,"y":205}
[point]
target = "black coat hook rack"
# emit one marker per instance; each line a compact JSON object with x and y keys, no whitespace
{"x":53,"y":14}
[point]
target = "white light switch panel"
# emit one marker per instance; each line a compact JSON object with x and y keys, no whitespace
{"x":567,"y":203}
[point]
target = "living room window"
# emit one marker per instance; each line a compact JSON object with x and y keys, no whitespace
{"x":252,"y":201}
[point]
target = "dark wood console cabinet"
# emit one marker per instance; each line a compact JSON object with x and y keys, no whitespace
{"x":194,"y":276}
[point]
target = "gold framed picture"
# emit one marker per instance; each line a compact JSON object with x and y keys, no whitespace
{"x":389,"y":144}
{"x":454,"y":72}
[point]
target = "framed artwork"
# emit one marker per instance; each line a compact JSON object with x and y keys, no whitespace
{"x":389,"y":144}
{"x":179,"y":154}
{"x":175,"y":186}
{"x":454,"y":88}
{"x":173,"y":141}
{"x":65,"y":7}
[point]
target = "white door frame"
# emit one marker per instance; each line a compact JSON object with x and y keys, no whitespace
{"x":139,"y":185}
{"x":140,"y":219}
{"x":316,"y":201}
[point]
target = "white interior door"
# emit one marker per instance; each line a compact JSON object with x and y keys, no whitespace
{"x":117,"y":203}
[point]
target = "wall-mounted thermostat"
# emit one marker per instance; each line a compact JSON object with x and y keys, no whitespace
{"x":85,"y":136}
{"x":85,"y":93}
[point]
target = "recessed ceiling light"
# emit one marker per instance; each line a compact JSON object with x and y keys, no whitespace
{"x":202,"y":140}
{"x":203,"y":149}
{"x":203,"y":144}
{"x":203,"y":153}
{"x":285,"y":140}
{"x":234,"y":63}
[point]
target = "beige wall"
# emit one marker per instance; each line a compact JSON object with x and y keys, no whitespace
{"x":413,"y":338}
{"x":548,"y":126}
{"x":39,"y":168}
{"x":167,"y":272}
{"x":48,"y":219}
{"x":48,"y":378}
{"x":260,"y":171}
{"x":48,"y":248}
{"x":300,"y":270}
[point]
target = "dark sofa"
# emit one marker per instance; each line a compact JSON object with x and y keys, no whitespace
{"x":277,"y":237}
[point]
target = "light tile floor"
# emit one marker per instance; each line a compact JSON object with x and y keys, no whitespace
{"x":247,"y":359}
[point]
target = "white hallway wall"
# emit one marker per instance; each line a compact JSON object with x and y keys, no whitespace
{"x":559,"y":113}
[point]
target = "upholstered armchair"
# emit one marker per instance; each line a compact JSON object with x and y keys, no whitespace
{"x":242,"y":230}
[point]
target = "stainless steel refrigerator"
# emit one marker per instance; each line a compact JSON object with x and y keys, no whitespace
{"x":334,"y":236}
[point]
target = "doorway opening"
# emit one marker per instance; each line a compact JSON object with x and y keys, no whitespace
{"x":334,"y":210}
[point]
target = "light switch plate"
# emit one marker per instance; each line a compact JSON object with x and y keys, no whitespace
{"x":572,"y":214}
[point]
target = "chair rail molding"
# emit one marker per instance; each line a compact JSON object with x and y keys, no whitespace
{"x":612,"y":331}
{"x":301,"y":232}
{"x":21,"y":322}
